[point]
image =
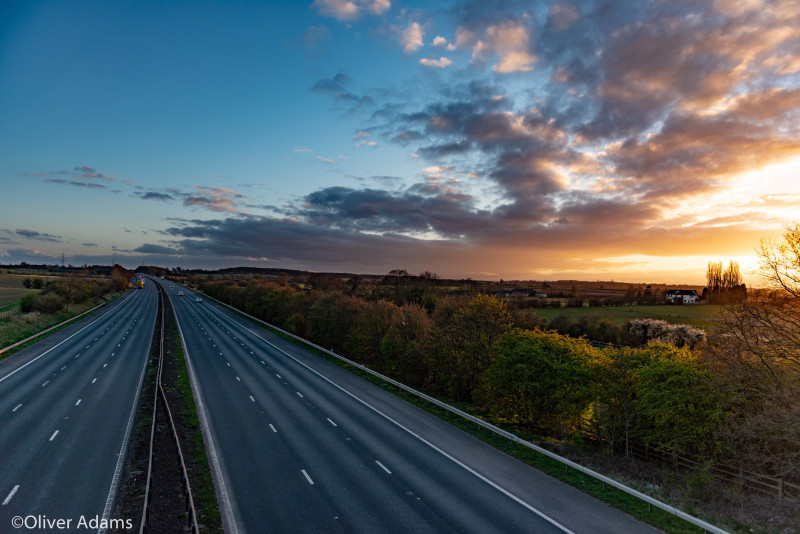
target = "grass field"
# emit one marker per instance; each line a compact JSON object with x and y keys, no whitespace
{"x":705,"y":316}
{"x":11,"y":290}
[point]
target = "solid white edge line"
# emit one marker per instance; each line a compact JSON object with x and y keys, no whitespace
{"x":411,"y":432}
{"x":226,"y":509}
{"x":10,"y":495}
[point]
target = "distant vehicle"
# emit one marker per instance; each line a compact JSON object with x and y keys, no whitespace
{"x":140,"y":283}
{"x":199,"y":299}
{"x":180,"y":293}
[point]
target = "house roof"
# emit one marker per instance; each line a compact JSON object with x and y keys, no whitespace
{"x":679,"y":292}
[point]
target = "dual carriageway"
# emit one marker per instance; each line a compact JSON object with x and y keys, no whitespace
{"x":295,"y":443}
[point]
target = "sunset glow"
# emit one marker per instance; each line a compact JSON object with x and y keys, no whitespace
{"x":547,"y":140}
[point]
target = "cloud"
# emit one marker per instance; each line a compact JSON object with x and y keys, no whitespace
{"x":418,"y":210}
{"x":509,"y":42}
{"x":37,"y":236}
{"x":88,"y":173}
{"x":18,"y":255}
{"x":152,"y":195}
{"x":412,"y":38}
{"x":214,"y":199}
{"x":336,"y":87}
{"x":563,"y":14}
{"x":441,"y":63}
{"x":80,"y":176}
{"x":149,"y":248}
{"x":350,"y":10}
{"x":579,"y":130}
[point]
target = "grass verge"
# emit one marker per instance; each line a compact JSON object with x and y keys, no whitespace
{"x":205,"y":499}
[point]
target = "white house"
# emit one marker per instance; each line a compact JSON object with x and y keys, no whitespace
{"x":682,"y":296}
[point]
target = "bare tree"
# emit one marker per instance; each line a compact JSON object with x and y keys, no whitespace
{"x":757,"y":352}
{"x":780,"y":261}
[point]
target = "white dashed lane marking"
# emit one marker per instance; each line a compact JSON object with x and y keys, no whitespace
{"x":10,"y":495}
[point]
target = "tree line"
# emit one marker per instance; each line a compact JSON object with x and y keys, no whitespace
{"x":69,"y":289}
{"x":726,"y":397}
{"x":724,"y":285}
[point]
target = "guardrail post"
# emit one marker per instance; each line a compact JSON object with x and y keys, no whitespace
{"x":780,"y":489}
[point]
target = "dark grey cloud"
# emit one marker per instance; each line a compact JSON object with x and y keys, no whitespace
{"x":157,"y":249}
{"x":88,"y":173}
{"x":152,"y":195}
{"x":38,"y":236}
{"x":416,"y":211}
{"x":80,"y":176}
{"x":337,"y":87}
{"x":30,"y":256}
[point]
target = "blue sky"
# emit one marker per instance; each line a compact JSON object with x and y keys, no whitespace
{"x":591,"y":140}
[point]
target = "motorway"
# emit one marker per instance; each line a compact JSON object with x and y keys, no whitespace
{"x":297,"y":444}
{"x":66,"y":408}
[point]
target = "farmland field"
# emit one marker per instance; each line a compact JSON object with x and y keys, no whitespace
{"x":705,"y":316}
{"x":11,"y":290}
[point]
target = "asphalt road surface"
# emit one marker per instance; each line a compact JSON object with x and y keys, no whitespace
{"x":298,"y":444}
{"x":66,"y":407}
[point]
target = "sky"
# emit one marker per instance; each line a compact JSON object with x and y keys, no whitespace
{"x":590,"y":140}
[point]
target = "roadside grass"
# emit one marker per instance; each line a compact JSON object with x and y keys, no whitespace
{"x":705,"y":316}
{"x":205,"y":498}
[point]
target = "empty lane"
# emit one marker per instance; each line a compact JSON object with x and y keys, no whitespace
{"x":303,"y":445}
{"x":65,"y":409}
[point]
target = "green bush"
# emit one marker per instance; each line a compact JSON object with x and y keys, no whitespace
{"x":26,"y":303}
{"x":48,"y":303}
